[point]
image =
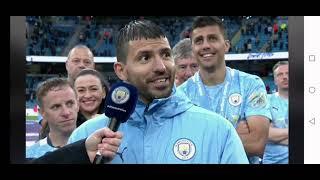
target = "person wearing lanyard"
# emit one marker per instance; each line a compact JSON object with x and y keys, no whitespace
{"x":238,"y":96}
{"x":162,"y":130}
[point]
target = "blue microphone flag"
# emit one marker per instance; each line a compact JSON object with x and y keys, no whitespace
{"x":121,"y":101}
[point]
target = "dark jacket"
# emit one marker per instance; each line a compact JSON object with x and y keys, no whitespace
{"x":74,"y":153}
{"x":81,"y":119}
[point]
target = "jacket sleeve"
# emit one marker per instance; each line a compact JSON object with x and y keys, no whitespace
{"x":74,"y":153}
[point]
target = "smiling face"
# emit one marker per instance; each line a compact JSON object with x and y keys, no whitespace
{"x":90,"y":93}
{"x":185,"y":68}
{"x":209,"y":46}
{"x":149,"y":67}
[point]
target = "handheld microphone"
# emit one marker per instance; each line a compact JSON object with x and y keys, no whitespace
{"x":119,"y":105}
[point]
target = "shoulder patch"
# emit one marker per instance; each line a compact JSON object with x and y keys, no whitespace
{"x":258,"y":100}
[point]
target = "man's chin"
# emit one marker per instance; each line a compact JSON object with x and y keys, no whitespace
{"x":163,"y":94}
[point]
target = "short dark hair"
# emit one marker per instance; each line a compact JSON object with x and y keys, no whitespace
{"x":279,"y":64}
{"x":48,"y":85}
{"x":203,"y":21}
{"x":96,"y":74}
{"x":136,"y":30}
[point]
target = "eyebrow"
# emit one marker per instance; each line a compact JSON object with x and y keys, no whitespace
{"x":82,"y":87}
{"x":144,"y":52}
{"x":198,"y":38}
{"x":70,"y":100}
{"x":165,"y":50}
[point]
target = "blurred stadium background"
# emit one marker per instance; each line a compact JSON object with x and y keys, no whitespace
{"x":257,"y":43}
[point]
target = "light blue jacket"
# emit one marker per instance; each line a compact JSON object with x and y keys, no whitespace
{"x":172,"y":130}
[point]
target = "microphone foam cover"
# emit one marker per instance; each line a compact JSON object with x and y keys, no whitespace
{"x":121,"y":101}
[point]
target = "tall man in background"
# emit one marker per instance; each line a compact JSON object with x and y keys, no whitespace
{"x":238,"y":96}
{"x":276,"y":151}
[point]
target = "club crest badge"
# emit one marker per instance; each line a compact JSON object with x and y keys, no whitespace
{"x":120,"y":95}
{"x":235,"y":99}
{"x":184,"y":149}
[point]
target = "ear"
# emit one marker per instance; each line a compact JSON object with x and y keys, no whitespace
{"x":104,"y":92}
{"x":120,"y":70}
{"x":41,"y":111}
{"x":227,"y":46}
{"x":275,"y":82}
{"x":67,"y":64}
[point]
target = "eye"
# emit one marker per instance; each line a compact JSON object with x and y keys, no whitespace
{"x":87,"y":62}
{"x":166,"y":56}
{"x":70,"y":103}
{"x":80,"y":90}
{"x":182,"y":67}
{"x":144,"y":58}
{"x":94,"y":89}
{"x":55,"y":107}
{"x":198,"y":41}
{"x":213,"y":38}
{"x":194,"y":66}
{"x":76,"y":61}
{"x":279,"y":75}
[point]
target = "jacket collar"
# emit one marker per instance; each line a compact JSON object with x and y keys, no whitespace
{"x":160,"y":109}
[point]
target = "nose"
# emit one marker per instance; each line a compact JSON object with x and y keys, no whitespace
{"x":158,"y":65}
{"x":86,"y":94}
{"x":188,"y":72}
{"x":82,"y":65}
{"x":205,"y":44}
{"x":65,"y":111}
{"x":284,"y":77}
